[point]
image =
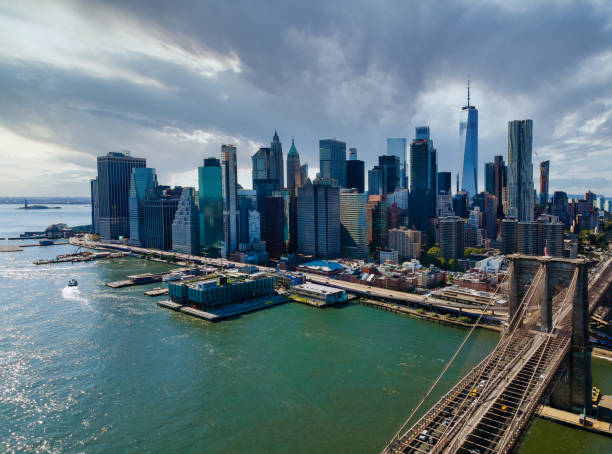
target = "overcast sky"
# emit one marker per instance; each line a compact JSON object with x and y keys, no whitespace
{"x":172,"y":81}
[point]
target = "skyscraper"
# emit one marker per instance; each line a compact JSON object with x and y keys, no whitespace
{"x":114,"y":172}
{"x":210,"y":194}
{"x":353,"y":224}
{"x":452,"y":237}
{"x":500,"y":183}
{"x":293,"y":170}
{"x":468,"y":140}
{"x":273,"y":211}
{"x":303,"y":173}
{"x":355,"y":172}
{"x":263,"y":183}
{"x":391,"y":163}
{"x":486,"y":202}
{"x":490,"y":177}
{"x":509,"y":227}
{"x":397,"y":147}
{"x":247,"y":201}
{"x":229,"y":175}
{"x":95,"y":207}
{"x":444,"y":182}
{"x":378,"y":236}
{"x":423,"y":184}
{"x":276,"y":161}
{"x":560,"y":208}
{"x":544,"y":178}
{"x":332,"y":156}
{"x":520,"y":170}
{"x":159,"y":211}
{"x":319,"y":220}
{"x":185,"y":227}
{"x":406,"y":242}
{"x":143,"y":182}
{"x":376,"y":180}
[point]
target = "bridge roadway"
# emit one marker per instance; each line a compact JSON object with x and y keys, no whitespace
{"x":488,"y":409}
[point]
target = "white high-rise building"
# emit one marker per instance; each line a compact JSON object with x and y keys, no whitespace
{"x":520,"y":170}
{"x":229,"y":174}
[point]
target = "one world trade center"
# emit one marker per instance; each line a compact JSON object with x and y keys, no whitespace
{"x":468,"y":143}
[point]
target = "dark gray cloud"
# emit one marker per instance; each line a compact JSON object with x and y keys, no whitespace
{"x":172,"y":82}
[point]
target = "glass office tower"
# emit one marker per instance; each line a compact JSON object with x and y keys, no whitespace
{"x":332,"y":157}
{"x":468,"y":142}
{"x":211,"y":204}
{"x":114,"y":173}
{"x":142,"y":182}
{"x":397,"y":147}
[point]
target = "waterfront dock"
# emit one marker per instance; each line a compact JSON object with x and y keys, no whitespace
{"x":226,"y":311}
{"x":573,"y":420}
{"x":137,"y":279}
{"x":10,"y":249}
{"x":157,"y":291}
{"x":405,"y":299}
{"x":84,"y":256}
{"x":423,"y":315}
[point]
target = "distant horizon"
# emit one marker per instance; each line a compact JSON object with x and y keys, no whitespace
{"x":19,"y":199}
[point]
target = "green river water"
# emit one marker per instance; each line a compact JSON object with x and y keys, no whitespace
{"x":102,"y":370}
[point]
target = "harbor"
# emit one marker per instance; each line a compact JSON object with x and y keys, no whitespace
{"x":409,"y":303}
{"x":184,"y":354}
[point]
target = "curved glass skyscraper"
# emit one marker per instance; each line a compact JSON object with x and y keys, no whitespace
{"x":468,"y":142}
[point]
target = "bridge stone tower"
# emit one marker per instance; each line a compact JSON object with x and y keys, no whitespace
{"x":572,"y":390}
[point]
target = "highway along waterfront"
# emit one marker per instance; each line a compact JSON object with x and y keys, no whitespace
{"x":95,"y":369}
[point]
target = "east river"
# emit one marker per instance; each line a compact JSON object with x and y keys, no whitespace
{"x":100,"y":370}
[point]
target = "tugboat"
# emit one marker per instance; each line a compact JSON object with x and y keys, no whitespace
{"x":72,"y":283}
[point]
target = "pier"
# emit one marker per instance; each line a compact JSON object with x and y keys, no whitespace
{"x":137,"y":279}
{"x":573,"y":420}
{"x":157,"y":292}
{"x":84,"y":256}
{"x":229,"y":310}
{"x":10,"y":249}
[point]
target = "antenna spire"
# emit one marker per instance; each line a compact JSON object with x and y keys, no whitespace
{"x":468,"y":92}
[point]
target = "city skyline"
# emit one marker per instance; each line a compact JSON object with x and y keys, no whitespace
{"x":187,"y":92}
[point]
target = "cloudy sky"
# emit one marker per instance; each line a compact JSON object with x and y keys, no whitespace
{"x":173,"y":81}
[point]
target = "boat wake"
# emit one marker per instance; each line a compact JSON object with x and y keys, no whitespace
{"x":73,"y":294}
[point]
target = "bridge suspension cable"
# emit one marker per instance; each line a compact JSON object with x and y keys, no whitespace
{"x":397,"y":435}
{"x":505,"y":341}
{"x":560,"y":317}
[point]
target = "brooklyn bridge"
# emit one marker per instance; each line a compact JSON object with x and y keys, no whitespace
{"x":543,"y":355}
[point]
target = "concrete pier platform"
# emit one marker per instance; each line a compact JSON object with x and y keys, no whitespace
{"x":170,"y":305}
{"x":573,"y":420}
{"x":10,"y":249}
{"x":227,"y":311}
{"x":157,"y":292}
